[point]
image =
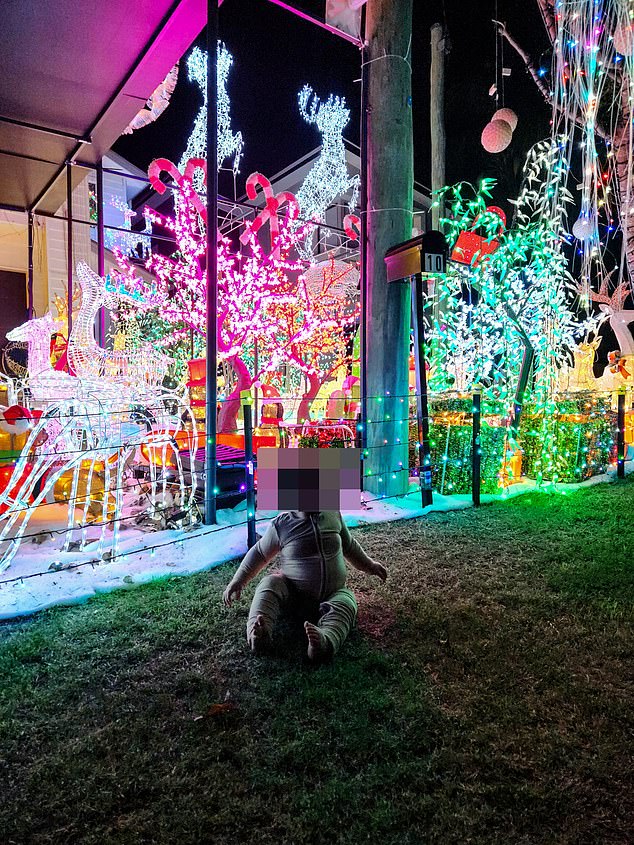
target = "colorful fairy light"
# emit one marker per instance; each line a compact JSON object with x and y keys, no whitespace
{"x":522,"y":288}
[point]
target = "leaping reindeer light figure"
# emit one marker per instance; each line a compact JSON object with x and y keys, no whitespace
{"x":328,"y":178}
{"x":229,"y":143}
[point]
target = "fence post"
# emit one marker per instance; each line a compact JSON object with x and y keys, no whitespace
{"x":424,"y":452}
{"x":620,"y":434}
{"x":249,"y":471}
{"x":476,"y":448}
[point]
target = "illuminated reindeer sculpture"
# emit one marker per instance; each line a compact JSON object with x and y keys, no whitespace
{"x":328,"y":178}
{"x":90,"y":436}
{"x":229,"y":143}
{"x":94,"y":426}
{"x":143,"y":370}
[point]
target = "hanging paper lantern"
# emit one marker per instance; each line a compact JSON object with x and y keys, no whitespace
{"x":508,"y":115}
{"x":496,"y":136}
{"x":623,"y":39}
{"x":15,"y":419}
{"x":583,"y":228}
{"x":334,"y":279}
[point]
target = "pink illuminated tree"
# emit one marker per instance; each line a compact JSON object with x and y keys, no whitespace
{"x":257,"y":290}
{"x":329,"y":292}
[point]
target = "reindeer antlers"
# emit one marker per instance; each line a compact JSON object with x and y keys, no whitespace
{"x":615,"y":300}
{"x":303,"y":97}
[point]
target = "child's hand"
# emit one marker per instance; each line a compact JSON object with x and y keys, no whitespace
{"x":379,"y":570}
{"x":233,"y":591}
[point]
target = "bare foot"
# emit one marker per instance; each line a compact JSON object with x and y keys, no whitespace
{"x":260,"y":639}
{"x":318,"y":645}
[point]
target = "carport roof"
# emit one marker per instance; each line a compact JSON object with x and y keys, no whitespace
{"x":76,"y":72}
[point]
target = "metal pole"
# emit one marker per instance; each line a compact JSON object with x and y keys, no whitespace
{"x":101,"y":258}
{"x":256,"y":370}
{"x":211,"y":368}
{"x":476,"y":448}
{"x":30,"y":313}
{"x":620,"y":435}
{"x":69,"y":245}
{"x":363,"y":253}
{"x":424,"y":451}
{"x":248,"y":465}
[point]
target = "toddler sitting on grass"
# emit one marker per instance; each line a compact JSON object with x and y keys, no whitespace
{"x":311,"y":577}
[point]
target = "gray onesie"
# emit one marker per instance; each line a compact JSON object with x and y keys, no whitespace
{"x":312,"y":569}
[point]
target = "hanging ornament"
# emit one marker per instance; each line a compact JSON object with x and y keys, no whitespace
{"x":583,"y":228}
{"x":496,"y":136}
{"x":508,"y":115}
{"x":623,"y":39}
{"x":337,"y":281}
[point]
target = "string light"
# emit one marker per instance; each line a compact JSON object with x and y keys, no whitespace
{"x":264,"y":298}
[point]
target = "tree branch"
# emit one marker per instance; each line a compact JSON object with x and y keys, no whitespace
{"x":547,"y":9}
{"x":539,"y":82}
{"x":530,"y":66}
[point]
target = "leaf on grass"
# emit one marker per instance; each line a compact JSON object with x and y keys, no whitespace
{"x":217,"y":711}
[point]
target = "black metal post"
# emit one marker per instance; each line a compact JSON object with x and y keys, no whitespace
{"x":363,"y":250}
{"x":620,"y":435}
{"x":101,"y":245}
{"x":256,"y":370}
{"x":29,"y":284}
{"x":211,"y":368}
{"x":249,"y":467}
{"x":424,"y":452}
{"x":476,"y":448}
{"x":69,"y":244}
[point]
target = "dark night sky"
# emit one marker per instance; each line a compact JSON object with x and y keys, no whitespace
{"x":276,"y":53}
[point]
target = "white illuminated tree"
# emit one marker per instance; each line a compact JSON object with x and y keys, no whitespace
{"x":477,"y":339}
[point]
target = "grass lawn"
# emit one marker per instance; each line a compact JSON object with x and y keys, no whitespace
{"x":487,"y":696}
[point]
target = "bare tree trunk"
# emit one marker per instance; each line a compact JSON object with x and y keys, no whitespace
{"x":389,"y":221}
{"x":547,"y":9}
{"x":228,"y":417}
{"x":625,"y":178}
{"x":303,"y":412}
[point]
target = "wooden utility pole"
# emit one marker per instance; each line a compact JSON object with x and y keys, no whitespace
{"x":437,"y":115}
{"x":390,"y":180}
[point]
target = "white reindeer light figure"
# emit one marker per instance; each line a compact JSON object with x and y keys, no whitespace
{"x":328,"y":178}
{"x":92,"y":435}
{"x":141,"y":369}
{"x":93,"y":423}
{"x":45,"y":383}
{"x":229,"y":143}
